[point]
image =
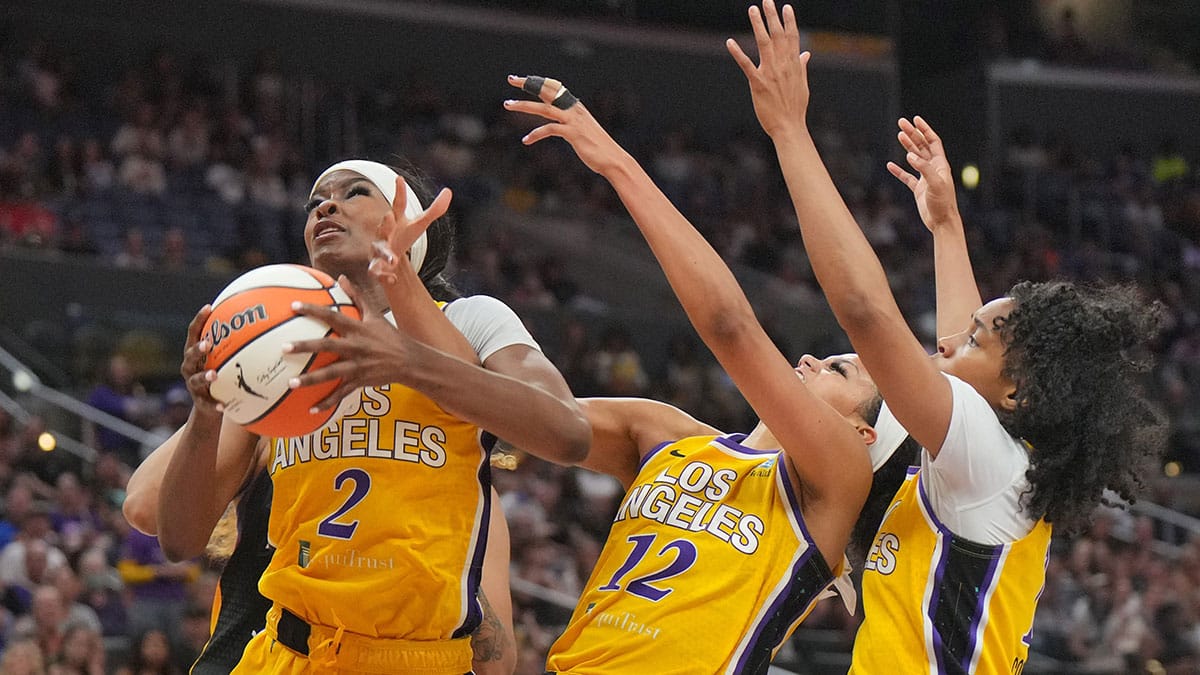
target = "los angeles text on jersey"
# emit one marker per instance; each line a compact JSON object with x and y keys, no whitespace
{"x":364,"y":436}
{"x":691,"y":500}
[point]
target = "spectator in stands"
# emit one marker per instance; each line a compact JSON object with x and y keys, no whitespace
{"x":82,"y":653}
{"x":75,"y":522}
{"x":121,"y":395}
{"x":97,"y":174}
{"x":70,"y":589}
{"x":28,"y":561}
{"x":103,"y":592}
{"x":23,"y":657}
{"x":151,"y":655}
{"x":18,"y":503}
{"x":46,"y":622}
{"x":618,"y":367}
{"x":158,"y":587}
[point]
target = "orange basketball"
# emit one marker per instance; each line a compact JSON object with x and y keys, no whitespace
{"x":251,"y":320}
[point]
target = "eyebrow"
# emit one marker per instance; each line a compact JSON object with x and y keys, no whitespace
{"x":979,"y":324}
{"x":850,"y":363}
{"x":345,"y":185}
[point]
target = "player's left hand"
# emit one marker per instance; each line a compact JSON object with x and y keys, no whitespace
{"x":934,"y":190}
{"x":398,"y":232}
{"x":371,"y":352}
{"x":779,"y":83}
{"x":574,"y":124}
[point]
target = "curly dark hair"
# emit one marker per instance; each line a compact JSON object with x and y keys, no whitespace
{"x":884,"y":485}
{"x":1075,"y":354}
{"x":440,"y":235}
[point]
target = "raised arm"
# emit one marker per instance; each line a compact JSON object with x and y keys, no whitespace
{"x":812,"y":434}
{"x":957,"y":292}
{"x":844,"y":263}
{"x":517,"y":394}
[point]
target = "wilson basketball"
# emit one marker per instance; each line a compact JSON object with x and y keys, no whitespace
{"x":252,"y":319}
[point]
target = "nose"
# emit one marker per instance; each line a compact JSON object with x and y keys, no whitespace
{"x":948,"y":345}
{"x":326,"y":208}
{"x":808,"y":361}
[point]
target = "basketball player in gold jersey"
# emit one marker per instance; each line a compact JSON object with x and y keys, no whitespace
{"x":379,"y":519}
{"x":724,"y":542}
{"x":1027,"y":414}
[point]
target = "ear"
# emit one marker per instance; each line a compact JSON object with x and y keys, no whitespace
{"x":867,"y":433}
{"x":1008,"y":402}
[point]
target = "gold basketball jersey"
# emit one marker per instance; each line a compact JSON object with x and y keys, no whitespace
{"x":708,"y":567}
{"x":379,"y":520}
{"x":936,"y":603}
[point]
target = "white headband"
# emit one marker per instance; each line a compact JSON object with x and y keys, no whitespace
{"x":384,"y":178}
{"x":888,"y":437}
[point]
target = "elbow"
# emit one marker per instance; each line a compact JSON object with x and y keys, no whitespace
{"x":139,"y":511}
{"x":178,"y":545}
{"x":729,"y":328}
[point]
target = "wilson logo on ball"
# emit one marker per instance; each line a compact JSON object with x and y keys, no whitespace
{"x":219,"y":330}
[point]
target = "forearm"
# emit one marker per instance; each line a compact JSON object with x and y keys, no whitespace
{"x":842,"y":259}
{"x":957,"y":294}
{"x":141,"y":492}
{"x":543,"y":423}
{"x":192,"y":495}
{"x":417,"y":314}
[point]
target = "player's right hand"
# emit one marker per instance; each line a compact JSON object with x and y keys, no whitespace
{"x":195,"y":356}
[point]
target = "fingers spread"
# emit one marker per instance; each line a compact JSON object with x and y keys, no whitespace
{"x":927,"y":131}
{"x":336,"y":320}
{"x":333,"y":371}
{"x":542,"y":132}
{"x":903,"y":176}
{"x":535,"y":108}
{"x":744,"y":62}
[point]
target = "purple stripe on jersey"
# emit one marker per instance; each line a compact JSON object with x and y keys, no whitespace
{"x":653,"y":451}
{"x":985,"y":585}
{"x":792,"y":500}
{"x":733,"y":442}
{"x":474,"y":611}
{"x":943,"y":538}
{"x":774,"y":608}
{"x":929,"y":506}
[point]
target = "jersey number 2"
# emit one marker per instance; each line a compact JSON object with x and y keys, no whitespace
{"x":362,"y":485}
{"x":685,"y":557}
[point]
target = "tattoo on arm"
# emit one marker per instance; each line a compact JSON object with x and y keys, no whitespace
{"x":490,"y":641}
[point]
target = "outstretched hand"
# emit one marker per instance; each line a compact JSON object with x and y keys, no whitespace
{"x":574,"y":124}
{"x":779,"y":83}
{"x":398,"y":231}
{"x":371,"y":351}
{"x":934,"y":189}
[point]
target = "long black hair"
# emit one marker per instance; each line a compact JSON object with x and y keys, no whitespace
{"x":884,"y":485}
{"x":1076,"y":354}
{"x":440,"y":235}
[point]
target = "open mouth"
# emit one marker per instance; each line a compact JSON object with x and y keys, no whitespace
{"x":327,"y":229}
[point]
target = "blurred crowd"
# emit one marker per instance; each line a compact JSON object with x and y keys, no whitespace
{"x":176,"y":164}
